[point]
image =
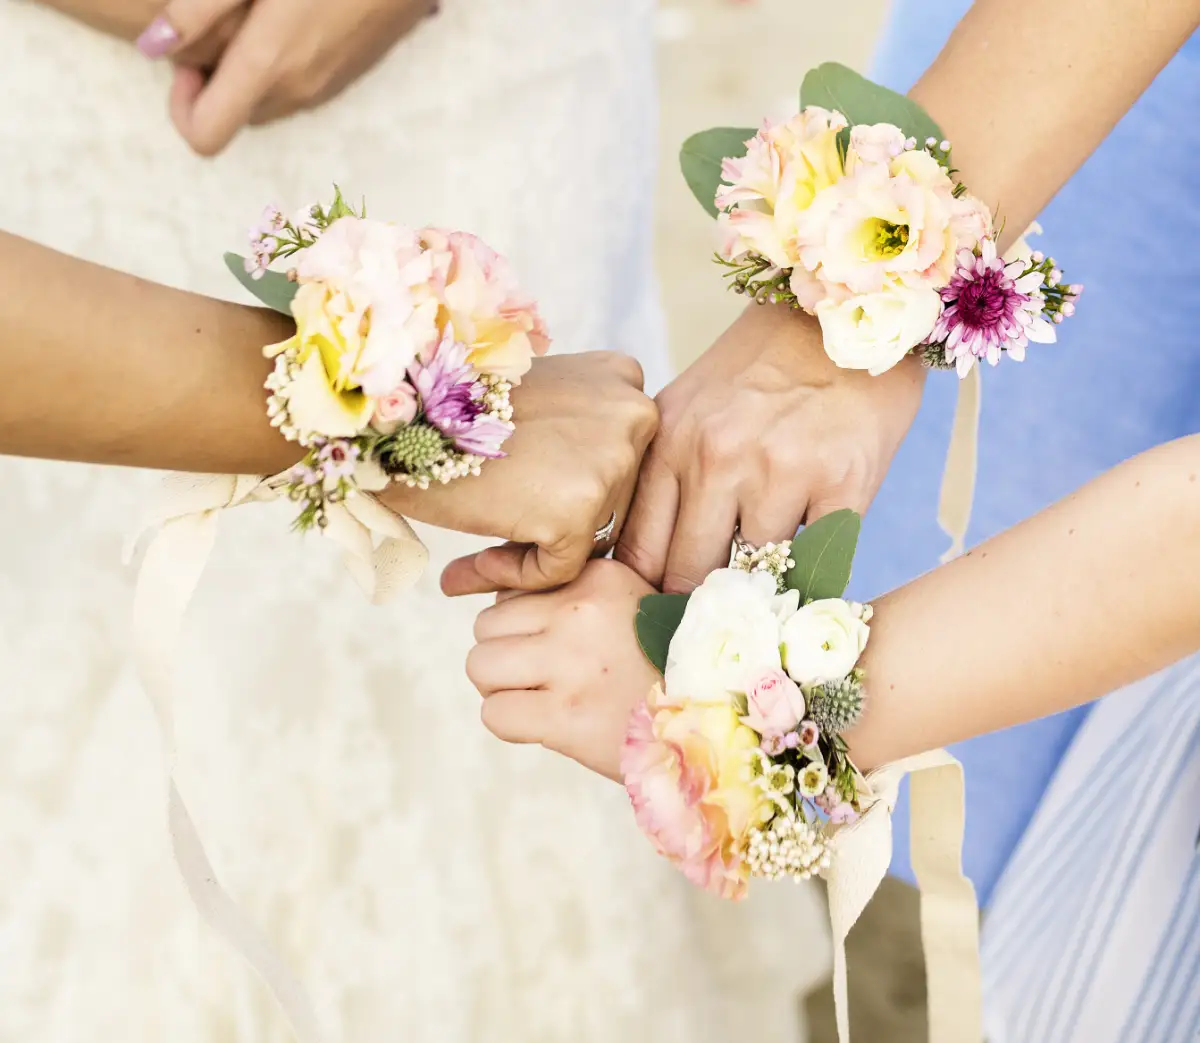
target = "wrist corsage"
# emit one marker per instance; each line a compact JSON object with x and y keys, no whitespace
{"x":736,"y":765}
{"x":853,"y":212}
{"x":407,"y":344}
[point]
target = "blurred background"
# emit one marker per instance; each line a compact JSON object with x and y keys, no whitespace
{"x":727,"y":63}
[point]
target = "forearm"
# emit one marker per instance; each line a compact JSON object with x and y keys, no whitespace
{"x":103,"y":367}
{"x":1025,"y":93}
{"x":1094,"y":593}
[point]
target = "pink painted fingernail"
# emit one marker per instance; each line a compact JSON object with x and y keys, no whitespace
{"x":158,"y":38}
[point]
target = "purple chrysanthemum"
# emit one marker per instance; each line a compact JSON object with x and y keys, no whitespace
{"x":451,"y":401}
{"x":990,"y":308}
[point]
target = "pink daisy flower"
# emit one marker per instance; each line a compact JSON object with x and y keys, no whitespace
{"x":990,"y":308}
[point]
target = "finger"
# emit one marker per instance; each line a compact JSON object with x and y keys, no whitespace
{"x":186,"y":85}
{"x":772,"y":517}
{"x":646,"y":536}
{"x":826,"y":501}
{"x":180,"y":23}
{"x":517,"y":614}
{"x":703,"y":536}
{"x":517,"y":716}
{"x":507,"y":662}
{"x":461,"y":578}
{"x":247,"y":70}
{"x":524,"y":566}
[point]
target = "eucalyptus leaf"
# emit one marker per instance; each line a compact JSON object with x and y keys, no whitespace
{"x":834,"y":86}
{"x":701,"y":156}
{"x":823,"y":553}
{"x":274,"y":289}
{"x":657,"y":620}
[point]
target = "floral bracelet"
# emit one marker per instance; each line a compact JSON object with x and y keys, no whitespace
{"x":736,"y":766}
{"x":852,"y":212}
{"x":407,"y":345}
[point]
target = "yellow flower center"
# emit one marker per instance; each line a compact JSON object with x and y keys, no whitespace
{"x":882,"y":240}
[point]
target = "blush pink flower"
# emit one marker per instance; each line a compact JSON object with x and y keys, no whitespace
{"x":687,"y":771}
{"x":395,"y":409}
{"x":484,"y":307}
{"x":774,"y":705}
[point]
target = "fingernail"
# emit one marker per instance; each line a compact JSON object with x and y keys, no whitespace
{"x":158,"y":38}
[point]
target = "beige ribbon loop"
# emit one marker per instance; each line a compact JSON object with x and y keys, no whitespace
{"x":186,"y":514}
{"x":862,"y":853}
{"x":962,"y":461}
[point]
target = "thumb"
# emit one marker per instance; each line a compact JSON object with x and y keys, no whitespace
{"x":516,"y":566}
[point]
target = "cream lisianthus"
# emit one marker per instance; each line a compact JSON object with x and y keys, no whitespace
{"x":874,"y":331}
{"x":884,"y":223}
{"x":785,"y":167}
{"x":823,"y":641}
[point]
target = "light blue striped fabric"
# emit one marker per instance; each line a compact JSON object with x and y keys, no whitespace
{"x":1094,"y":931}
{"x":1124,"y":376}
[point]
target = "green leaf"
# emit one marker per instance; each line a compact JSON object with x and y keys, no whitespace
{"x":274,"y":289}
{"x":657,"y":620}
{"x":701,"y":156}
{"x":833,"y":86}
{"x":824,"y":552}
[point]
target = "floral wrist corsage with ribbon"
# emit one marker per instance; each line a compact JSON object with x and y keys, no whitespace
{"x":736,"y":765}
{"x":407,"y":344}
{"x":853,"y":212}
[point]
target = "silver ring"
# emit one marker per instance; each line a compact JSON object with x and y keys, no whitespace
{"x":604,"y":533}
{"x":740,"y":542}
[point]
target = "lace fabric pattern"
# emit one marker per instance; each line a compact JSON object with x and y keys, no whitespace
{"x":425,"y":881}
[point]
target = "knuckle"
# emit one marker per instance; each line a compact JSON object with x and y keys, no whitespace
{"x":680,"y":581}
{"x":719,"y":446}
{"x":476,"y":671}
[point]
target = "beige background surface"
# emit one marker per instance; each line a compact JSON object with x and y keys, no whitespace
{"x":729,"y":63}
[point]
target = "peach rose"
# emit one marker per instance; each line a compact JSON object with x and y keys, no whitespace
{"x":688,"y":774}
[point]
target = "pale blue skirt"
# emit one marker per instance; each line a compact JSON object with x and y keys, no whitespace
{"x":1124,"y":376}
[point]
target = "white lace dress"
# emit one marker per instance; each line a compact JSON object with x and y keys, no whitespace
{"x":425,"y":881}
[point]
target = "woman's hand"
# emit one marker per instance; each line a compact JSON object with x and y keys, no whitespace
{"x":582,"y":427}
{"x":287,"y":56}
{"x":564,"y":669}
{"x":127,"y":19}
{"x":766,"y":432}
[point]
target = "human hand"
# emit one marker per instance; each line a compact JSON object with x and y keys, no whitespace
{"x":287,"y":56}
{"x":564,"y":669}
{"x":765,"y":432}
{"x":582,"y":425}
{"x":127,"y":19}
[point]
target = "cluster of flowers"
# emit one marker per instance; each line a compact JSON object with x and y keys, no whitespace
{"x":407,"y":344}
{"x":735,"y":766}
{"x":870,"y":231}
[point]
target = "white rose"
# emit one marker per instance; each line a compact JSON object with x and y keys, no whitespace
{"x":823,"y":641}
{"x":728,"y":638}
{"x":874,"y":331}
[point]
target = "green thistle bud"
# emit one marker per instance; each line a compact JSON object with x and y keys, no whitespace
{"x":836,"y":706}
{"x":934,"y":356}
{"x":412,"y":450}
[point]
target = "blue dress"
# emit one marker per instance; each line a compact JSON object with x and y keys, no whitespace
{"x":1123,"y":377}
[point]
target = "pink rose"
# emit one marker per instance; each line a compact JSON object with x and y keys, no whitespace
{"x":686,"y":771}
{"x":774,"y":704}
{"x":397,"y":408}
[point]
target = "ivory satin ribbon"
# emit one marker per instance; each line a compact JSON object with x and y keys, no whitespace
{"x":186,"y":514}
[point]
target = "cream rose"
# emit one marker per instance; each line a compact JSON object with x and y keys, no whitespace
{"x":875,"y":331}
{"x":823,"y":641}
{"x":727,"y":640}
